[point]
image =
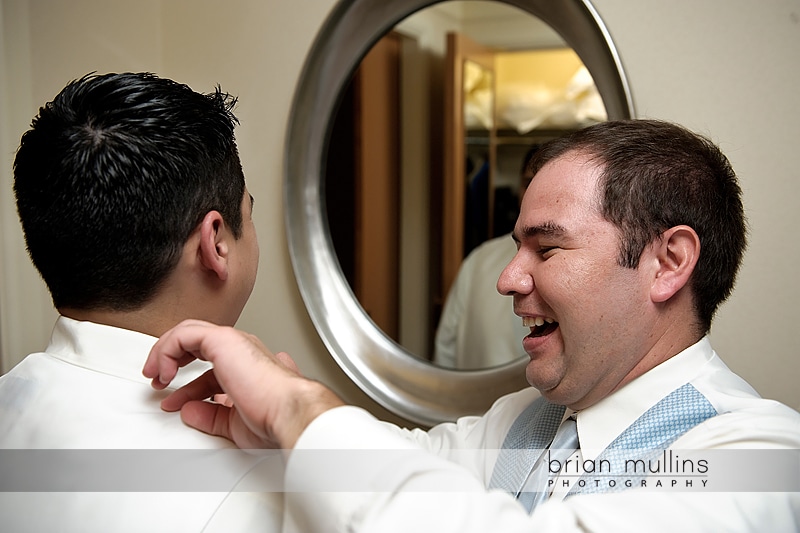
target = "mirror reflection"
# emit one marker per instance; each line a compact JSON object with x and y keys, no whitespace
{"x":425,"y":168}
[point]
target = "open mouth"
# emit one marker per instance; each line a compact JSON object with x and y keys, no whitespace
{"x":540,"y":326}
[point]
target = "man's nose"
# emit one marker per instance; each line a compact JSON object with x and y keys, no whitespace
{"x":515,"y":279}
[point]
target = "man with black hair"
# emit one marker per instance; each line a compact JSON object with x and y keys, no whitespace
{"x":135,"y":212}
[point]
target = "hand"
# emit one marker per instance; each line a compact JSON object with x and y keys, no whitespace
{"x":272,"y":403}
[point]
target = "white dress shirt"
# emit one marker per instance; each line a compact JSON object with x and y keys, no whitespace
{"x":478,"y":327}
{"x":393,"y":483}
{"x":85,"y":395}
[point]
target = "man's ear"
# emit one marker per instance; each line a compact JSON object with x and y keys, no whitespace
{"x":676,"y":253}
{"x":213,"y":244}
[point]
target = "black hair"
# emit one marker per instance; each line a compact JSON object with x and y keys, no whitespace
{"x":112,"y":178}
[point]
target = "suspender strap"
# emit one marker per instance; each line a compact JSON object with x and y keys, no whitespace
{"x":629,"y":455}
{"x":529,"y":436}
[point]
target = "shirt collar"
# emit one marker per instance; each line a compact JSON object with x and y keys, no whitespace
{"x":106,"y":349}
{"x":601,"y":423}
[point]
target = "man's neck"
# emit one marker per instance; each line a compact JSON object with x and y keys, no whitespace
{"x":144,"y":320}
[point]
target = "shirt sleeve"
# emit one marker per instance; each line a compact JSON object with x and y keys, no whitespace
{"x":472,"y":442}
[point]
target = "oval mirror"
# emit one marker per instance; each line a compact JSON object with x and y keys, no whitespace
{"x":401,"y":378}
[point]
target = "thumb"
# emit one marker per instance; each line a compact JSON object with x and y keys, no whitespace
{"x":223,"y":421}
{"x":287,"y":360}
{"x":211,"y":418}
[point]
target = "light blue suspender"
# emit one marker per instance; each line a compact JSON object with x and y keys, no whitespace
{"x":527,"y":439}
{"x":652,"y":433}
{"x":648,"y":436}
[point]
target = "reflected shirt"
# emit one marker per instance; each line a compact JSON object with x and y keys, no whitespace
{"x":478,"y":327}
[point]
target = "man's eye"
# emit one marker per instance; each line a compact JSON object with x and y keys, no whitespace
{"x":546,"y":251}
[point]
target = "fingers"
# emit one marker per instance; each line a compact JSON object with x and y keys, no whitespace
{"x":271,"y":402}
{"x":176,"y":348}
{"x":211,"y":418}
{"x":222,"y":421}
{"x":215,"y":418}
{"x":201,"y":388}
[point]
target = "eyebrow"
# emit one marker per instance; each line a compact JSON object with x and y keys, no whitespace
{"x":548,"y":229}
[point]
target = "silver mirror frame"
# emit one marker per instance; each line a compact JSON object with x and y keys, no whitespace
{"x":397,"y":379}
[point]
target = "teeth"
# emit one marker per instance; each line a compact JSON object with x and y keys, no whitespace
{"x":531,"y":321}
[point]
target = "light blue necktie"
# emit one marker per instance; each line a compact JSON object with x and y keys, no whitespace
{"x":565,"y":443}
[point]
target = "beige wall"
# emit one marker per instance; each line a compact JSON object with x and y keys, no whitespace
{"x":727,"y":68}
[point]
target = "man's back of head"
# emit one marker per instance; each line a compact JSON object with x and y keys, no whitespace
{"x":112,"y":179}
